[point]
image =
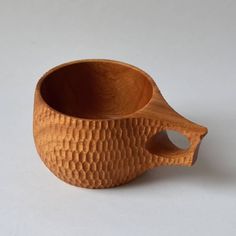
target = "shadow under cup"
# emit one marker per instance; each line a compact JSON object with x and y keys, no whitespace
{"x":96,"y":89}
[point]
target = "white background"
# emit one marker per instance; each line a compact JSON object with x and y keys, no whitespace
{"x":188,"y":47}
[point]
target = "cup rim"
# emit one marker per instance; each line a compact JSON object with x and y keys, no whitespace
{"x":109,"y":117}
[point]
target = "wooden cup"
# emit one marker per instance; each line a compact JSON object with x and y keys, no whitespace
{"x":101,"y":123}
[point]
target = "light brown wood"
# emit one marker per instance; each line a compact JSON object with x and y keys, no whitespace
{"x":96,"y":122}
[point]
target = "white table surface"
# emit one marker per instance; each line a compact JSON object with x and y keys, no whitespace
{"x":188,"y":47}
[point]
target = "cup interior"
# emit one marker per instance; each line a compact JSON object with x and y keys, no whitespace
{"x":96,"y":89}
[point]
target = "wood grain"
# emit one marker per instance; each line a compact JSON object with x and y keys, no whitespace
{"x":95,"y":122}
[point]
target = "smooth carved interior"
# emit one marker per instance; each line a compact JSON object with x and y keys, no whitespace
{"x":96,"y":89}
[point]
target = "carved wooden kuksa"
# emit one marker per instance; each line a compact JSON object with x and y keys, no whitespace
{"x":96,"y":124}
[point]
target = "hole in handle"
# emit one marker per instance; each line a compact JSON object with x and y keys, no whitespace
{"x":178,"y":139}
{"x":168,"y":143}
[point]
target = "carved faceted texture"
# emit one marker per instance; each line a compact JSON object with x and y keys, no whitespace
{"x":96,"y":154}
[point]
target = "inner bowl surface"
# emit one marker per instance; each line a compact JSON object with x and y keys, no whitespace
{"x":96,"y":89}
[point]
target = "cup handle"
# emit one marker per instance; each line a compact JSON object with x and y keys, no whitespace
{"x":166,"y":153}
{"x":158,"y":143}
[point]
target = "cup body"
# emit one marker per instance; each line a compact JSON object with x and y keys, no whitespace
{"x":93,"y":120}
